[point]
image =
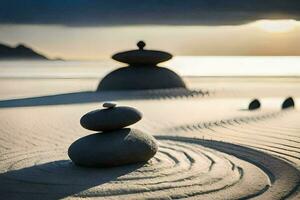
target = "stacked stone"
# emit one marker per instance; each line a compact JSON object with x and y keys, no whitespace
{"x":115,"y":144}
{"x":142,"y":71}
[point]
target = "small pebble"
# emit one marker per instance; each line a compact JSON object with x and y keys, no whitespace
{"x":254,"y":104}
{"x":288,"y":103}
{"x":109,"y":105}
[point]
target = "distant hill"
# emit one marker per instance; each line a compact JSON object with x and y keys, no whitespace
{"x":19,"y":52}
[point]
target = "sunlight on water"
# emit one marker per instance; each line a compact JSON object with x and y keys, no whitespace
{"x":277,"y":26}
{"x":236,"y":66}
{"x":184,"y":65}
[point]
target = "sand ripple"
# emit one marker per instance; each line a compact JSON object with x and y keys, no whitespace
{"x":183,"y":168}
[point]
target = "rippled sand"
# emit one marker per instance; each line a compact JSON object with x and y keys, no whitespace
{"x":210,"y":146}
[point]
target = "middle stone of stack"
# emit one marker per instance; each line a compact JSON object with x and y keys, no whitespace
{"x":114,"y":145}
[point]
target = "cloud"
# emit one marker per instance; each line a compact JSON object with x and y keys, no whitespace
{"x":136,"y":12}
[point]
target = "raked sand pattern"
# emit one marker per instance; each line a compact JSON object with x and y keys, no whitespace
{"x":183,"y":168}
{"x":206,"y":151}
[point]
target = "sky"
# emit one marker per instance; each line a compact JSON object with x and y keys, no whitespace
{"x":91,"y":30}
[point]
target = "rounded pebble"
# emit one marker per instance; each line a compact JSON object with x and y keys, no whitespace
{"x":120,"y":147}
{"x":109,"y":105}
{"x":288,"y":103}
{"x":254,"y":104}
{"x":141,"y":78}
{"x":110,"y":119}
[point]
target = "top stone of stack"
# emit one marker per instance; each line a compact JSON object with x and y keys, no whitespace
{"x":110,"y":118}
{"x":142,"y":56}
{"x":109,"y":105}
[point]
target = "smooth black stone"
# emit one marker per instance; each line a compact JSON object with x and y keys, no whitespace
{"x":107,"y":149}
{"x":288,"y":103}
{"x":142,"y":56}
{"x":141,"y":45}
{"x":254,"y":104}
{"x":110,"y":118}
{"x":109,"y":105}
{"x":141,"y":78}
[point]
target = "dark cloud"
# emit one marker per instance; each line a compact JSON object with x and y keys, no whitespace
{"x":127,"y":12}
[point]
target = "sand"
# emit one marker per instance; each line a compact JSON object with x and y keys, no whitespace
{"x":210,"y":146}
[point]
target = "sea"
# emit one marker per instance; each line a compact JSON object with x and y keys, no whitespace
{"x":209,"y":66}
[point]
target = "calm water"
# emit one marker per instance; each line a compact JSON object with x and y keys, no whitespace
{"x":185,"y":66}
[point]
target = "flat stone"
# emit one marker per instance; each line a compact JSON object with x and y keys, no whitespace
{"x":107,"y":149}
{"x":142,"y":56}
{"x":254,"y":104}
{"x":110,"y":119}
{"x":109,"y":105}
{"x":288,"y":103}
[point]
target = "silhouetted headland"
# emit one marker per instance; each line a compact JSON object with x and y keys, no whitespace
{"x":19,"y":52}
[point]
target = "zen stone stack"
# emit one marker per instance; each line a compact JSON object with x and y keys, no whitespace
{"x":142,"y":72}
{"x":115,"y":144}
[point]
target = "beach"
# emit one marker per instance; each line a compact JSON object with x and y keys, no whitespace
{"x":210,"y":145}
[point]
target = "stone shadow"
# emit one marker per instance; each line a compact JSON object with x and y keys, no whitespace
{"x":91,"y":96}
{"x":57,"y":180}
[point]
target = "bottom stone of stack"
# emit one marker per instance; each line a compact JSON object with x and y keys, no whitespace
{"x":113,"y":148}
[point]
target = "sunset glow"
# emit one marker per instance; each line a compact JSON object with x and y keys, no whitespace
{"x":277,"y":26}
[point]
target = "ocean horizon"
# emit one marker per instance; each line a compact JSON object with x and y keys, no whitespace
{"x":210,"y":66}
